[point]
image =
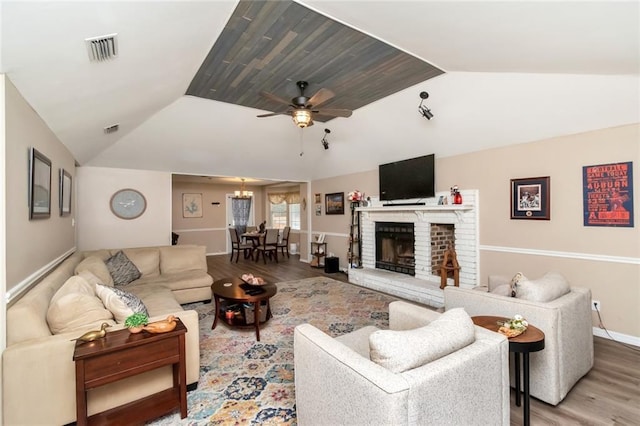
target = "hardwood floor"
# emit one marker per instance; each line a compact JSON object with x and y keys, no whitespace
{"x":608,"y":395}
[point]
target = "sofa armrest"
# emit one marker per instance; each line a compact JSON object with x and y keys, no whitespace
{"x":335,"y":384}
{"x":566,"y":323}
{"x":34,"y":370}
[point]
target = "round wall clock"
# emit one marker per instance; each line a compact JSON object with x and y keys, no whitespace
{"x":128,"y":204}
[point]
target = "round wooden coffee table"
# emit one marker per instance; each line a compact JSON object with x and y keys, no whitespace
{"x":228,"y":291}
{"x":532,"y":340}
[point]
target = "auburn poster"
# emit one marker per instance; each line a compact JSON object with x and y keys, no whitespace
{"x":608,"y":194}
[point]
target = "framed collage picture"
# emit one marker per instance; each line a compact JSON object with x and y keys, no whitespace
{"x":530,"y":198}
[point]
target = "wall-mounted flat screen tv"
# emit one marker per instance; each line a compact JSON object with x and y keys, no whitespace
{"x":407,"y":179}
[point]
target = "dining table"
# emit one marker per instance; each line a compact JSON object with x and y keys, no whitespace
{"x":254,"y":237}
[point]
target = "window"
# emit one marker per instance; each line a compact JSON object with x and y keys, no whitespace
{"x":279,"y":215}
{"x":294,"y":216}
{"x":284,"y":210}
{"x":284,"y":214}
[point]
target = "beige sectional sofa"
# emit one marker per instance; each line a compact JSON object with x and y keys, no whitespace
{"x":38,"y":372}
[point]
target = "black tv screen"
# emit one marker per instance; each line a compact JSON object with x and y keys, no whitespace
{"x":407,"y":179}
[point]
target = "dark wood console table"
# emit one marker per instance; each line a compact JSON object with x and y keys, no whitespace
{"x":121,"y":354}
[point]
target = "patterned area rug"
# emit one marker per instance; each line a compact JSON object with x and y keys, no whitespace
{"x":245,"y":382}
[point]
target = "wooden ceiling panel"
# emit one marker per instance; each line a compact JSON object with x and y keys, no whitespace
{"x":267,"y":46}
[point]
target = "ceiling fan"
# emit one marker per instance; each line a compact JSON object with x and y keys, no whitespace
{"x":302,"y":107}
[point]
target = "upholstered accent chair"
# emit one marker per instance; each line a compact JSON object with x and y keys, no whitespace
{"x":283,"y":244}
{"x":268,"y":245}
{"x":427,"y":368}
{"x":238,"y":246}
{"x":565,"y":321}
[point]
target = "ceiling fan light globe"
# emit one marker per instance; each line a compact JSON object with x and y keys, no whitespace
{"x":302,"y":118}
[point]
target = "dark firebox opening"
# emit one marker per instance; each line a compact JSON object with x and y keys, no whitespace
{"x":395,"y":247}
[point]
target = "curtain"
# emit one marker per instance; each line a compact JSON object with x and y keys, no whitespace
{"x":280,"y":197}
{"x":240,"y":208}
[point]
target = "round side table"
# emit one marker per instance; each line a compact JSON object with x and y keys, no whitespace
{"x":532,"y":340}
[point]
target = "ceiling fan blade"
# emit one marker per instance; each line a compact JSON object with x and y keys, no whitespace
{"x":321,"y":96}
{"x":336,"y":112}
{"x":274,"y":98}
{"x":271,"y":114}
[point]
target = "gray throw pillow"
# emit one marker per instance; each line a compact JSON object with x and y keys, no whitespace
{"x":122,"y":270}
{"x":545,"y":289}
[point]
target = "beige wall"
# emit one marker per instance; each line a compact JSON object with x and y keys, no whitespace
{"x":336,"y":227}
{"x":99,"y":228}
{"x":211,"y":229}
{"x":32,"y":245}
{"x":604,"y":259}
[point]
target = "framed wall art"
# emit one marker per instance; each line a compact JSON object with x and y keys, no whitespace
{"x":65,"y":192}
{"x":334,"y":203}
{"x":318,"y":198}
{"x":191,"y":205}
{"x":607,"y":194}
{"x":39,"y":185}
{"x":530,"y":198}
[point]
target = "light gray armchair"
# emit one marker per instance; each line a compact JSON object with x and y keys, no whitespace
{"x":337,"y":383}
{"x":565,"y":321}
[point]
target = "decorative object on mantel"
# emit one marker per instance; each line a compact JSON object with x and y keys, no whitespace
{"x":163,"y":326}
{"x":356,"y":196}
{"x":456,"y":196}
{"x":90,"y":336}
{"x":136,"y":322}
{"x":450,"y":264}
{"x":513,"y":327}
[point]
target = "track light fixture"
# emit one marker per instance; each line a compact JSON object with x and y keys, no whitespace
{"x":423,"y":110}
{"x":324,"y":141}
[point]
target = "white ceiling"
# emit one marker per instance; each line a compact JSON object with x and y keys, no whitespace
{"x":515,"y":72}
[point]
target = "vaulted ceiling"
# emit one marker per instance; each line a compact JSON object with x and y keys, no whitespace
{"x":186,"y":85}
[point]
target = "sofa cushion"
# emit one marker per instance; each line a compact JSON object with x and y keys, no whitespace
{"x":97,"y":267}
{"x":399,"y":351}
{"x":182,"y":258}
{"x":545,"y":289}
{"x":122,"y":270}
{"x":178,"y":280}
{"x":503,"y":290}
{"x":121,"y":303}
{"x":147,"y":260}
{"x":75,"y":305}
{"x":158,"y":299}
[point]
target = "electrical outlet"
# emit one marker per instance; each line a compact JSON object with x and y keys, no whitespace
{"x":595,"y":305}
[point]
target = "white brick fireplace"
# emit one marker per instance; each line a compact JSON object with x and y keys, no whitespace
{"x":425,"y":286}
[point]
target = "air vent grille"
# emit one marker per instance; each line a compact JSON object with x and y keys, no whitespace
{"x":102,"y":48}
{"x":111,"y":129}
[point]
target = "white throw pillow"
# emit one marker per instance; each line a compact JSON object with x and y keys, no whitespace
{"x":400,"y":351}
{"x":75,"y":305}
{"x":122,"y":304}
{"x":551,"y":286}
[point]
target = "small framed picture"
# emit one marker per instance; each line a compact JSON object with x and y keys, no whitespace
{"x":39,"y":185}
{"x":334,"y":203}
{"x":318,"y":198}
{"x":65,"y":193}
{"x":530,"y":198}
{"x":318,"y":210}
{"x":191,"y":205}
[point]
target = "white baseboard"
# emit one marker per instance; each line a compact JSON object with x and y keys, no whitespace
{"x":619,"y":337}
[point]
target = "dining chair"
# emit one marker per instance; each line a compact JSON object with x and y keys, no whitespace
{"x":283,"y":244}
{"x":269,"y":245}
{"x":238,"y":246}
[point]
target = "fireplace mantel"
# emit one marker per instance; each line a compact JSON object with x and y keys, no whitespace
{"x":410,"y":208}
{"x":424,"y":287}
